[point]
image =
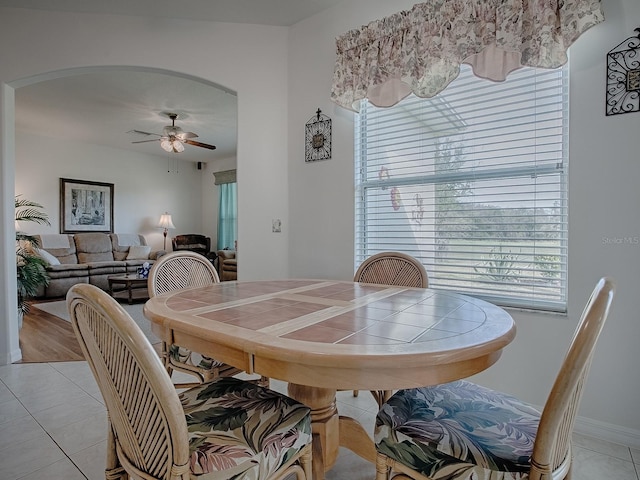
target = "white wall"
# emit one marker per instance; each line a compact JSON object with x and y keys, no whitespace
{"x":248,"y":59}
{"x":143,"y":188}
{"x":604,"y":198}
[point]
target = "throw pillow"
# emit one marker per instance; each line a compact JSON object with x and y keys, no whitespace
{"x":46,"y":256}
{"x":139,"y":252}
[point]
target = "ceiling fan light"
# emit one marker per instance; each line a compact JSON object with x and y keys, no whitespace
{"x":166,"y":145}
{"x":178,"y":147}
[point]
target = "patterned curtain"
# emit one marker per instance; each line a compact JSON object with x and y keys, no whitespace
{"x":227,"y":215}
{"x":420,"y":50}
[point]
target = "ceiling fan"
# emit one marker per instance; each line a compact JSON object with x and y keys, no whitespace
{"x":173,"y":138}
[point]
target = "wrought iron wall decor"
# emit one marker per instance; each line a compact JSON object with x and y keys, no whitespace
{"x":317,"y":138}
{"x":623,"y":77}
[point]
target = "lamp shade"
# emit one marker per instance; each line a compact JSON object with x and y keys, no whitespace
{"x":165,"y":221}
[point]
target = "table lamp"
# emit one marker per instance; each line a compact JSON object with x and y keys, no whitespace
{"x":165,"y":223}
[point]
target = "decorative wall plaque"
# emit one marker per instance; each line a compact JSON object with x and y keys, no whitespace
{"x":317,"y":139}
{"x":623,"y":77}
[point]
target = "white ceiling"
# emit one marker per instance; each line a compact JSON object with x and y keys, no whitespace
{"x":100,"y":108}
{"x":263,"y":12}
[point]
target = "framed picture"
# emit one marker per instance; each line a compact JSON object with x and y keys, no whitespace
{"x":85,"y":206}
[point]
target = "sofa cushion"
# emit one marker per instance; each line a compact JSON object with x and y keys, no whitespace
{"x":230,"y":264}
{"x":67,"y":270}
{"x":226,"y":254}
{"x":120,"y":256}
{"x":139,"y":252}
{"x":93,"y":247}
{"x":121,"y":242}
{"x":95,"y":257}
{"x":60,"y":246}
{"x":46,"y":256}
{"x":106,"y":268}
{"x":60,"y":286}
{"x":55,"y":240}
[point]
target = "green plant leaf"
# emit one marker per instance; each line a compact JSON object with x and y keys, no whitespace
{"x":30,"y":269}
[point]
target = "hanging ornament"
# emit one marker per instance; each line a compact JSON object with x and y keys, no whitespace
{"x":623,"y":77}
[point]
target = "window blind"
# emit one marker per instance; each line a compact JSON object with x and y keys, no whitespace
{"x":473,"y":183}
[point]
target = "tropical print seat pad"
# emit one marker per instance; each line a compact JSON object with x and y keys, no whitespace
{"x":458,"y":430}
{"x":240,"y":430}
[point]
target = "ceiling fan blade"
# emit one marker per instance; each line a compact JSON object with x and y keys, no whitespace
{"x":140,"y":132}
{"x":182,"y":136}
{"x":146,"y":141}
{"x":200,"y":144}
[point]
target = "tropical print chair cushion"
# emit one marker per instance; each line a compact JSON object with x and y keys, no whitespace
{"x":458,"y":430}
{"x":183,"y":356}
{"x":241,"y":430}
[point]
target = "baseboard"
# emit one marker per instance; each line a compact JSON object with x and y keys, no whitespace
{"x":608,"y":432}
{"x":15,"y":355}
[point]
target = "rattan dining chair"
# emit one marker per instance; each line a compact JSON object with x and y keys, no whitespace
{"x":391,"y":268}
{"x":223,"y":429}
{"x":174,"y":271}
{"x":461,"y":430}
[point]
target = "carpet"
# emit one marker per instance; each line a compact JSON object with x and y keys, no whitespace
{"x":59,"y":309}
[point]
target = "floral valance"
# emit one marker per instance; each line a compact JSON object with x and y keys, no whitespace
{"x":420,"y":50}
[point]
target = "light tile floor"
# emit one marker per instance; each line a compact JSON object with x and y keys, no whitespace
{"x":53,"y":426}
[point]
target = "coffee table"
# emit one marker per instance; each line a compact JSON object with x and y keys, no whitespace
{"x":132,"y":282}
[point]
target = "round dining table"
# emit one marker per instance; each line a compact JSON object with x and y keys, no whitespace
{"x":321,"y":336}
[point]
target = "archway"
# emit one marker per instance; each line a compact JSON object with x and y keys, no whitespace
{"x":11,"y":173}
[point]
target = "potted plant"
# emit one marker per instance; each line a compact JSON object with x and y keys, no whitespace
{"x":31,"y":268}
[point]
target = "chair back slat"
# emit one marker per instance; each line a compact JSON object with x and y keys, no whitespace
{"x":392,"y":268}
{"x":552,"y":449}
{"x":145,"y":413}
{"x":178,"y":270}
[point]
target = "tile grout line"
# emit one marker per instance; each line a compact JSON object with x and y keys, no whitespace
{"x":46,"y":432}
{"x":100,"y":400}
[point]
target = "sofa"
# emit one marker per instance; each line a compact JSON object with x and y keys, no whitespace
{"x":227,"y":265}
{"x":90,"y":258}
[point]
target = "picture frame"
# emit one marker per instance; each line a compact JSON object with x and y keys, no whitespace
{"x":86,"y":206}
